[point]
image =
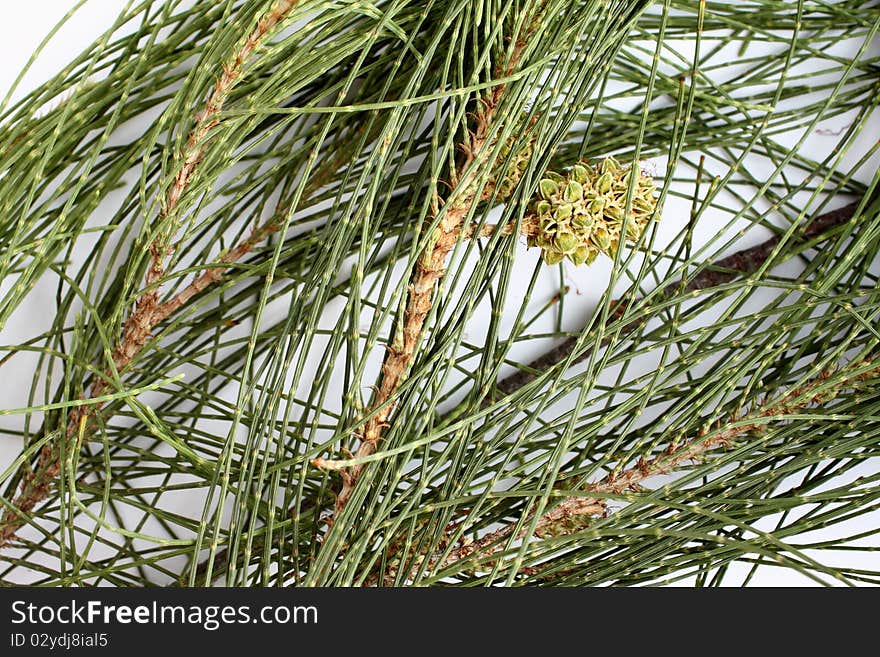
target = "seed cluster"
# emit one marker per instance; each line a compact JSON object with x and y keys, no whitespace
{"x":581,"y":215}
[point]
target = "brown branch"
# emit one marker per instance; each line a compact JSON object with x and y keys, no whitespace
{"x":429,"y":269}
{"x":137,"y":328}
{"x":147,"y":312}
{"x":527,"y":227}
{"x":742,"y":263}
{"x":574,"y":513}
{"x":215,"y":273}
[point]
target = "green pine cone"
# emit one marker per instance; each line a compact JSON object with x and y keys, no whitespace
{"x":581,"y":214}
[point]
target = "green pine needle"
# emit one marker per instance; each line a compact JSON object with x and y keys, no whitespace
{"x":230,"y":200}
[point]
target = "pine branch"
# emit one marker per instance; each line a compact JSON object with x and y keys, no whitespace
{"x":429,"y":269}
{"x":147,"y":311}
{"x":742,"y":263}
{"x":215,"y":273}
{"x":137,"y":328}
{"x":279,"y":352}
{"x":574,"y":513}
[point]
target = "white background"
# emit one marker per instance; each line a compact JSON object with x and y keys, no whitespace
{"x":23,"y":25}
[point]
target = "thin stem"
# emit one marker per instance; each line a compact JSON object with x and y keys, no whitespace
{"x":742,"y":263}
{"x":215,"y":273}
{"x":429,"y":269}
{"x":738,"y":264}
{"x":136,"y":332}
{"x":147,"y":312}
{"x":574,"y":513}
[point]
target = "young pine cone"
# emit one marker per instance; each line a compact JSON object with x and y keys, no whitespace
{"x":581,"y":215}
